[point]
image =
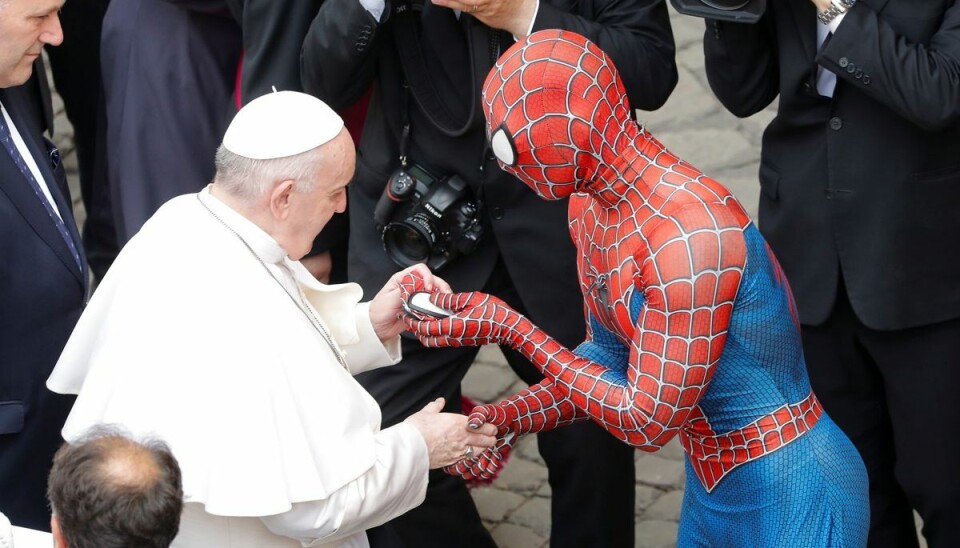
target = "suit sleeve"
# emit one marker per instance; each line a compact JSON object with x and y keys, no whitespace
{"x":396,"y":483}
{"x":741,"y":64}
{"x":339,"y":53}
{"x":273,"y":32}
{"x":919,"y":81}
{"x":637,"y":36}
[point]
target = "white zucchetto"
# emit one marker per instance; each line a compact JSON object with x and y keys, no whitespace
{"x":281,"y":124}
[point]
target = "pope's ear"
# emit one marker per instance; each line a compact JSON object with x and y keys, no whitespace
{"x":280,"y":198}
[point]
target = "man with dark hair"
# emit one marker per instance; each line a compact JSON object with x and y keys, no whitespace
{"x":426,"y":62}
{"x":107,"y":490}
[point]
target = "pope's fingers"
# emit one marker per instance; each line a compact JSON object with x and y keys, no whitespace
{"x":482,"y":439}
{"x":484,"y":429}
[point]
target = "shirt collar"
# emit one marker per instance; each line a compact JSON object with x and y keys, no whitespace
{"x":259,"y":241}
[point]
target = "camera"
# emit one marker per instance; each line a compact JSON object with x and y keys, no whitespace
{"x":425,"y":219}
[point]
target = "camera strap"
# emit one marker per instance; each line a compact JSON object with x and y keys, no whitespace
{"x":417,"y":78}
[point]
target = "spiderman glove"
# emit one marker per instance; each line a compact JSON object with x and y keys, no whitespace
{"x":477,"y":319}
{"x":486,"y":465}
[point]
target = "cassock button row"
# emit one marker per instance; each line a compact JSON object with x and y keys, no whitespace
{"x":851,"y":68}
{"x":843,"y":62}
{"x":858,"y":75}
{"x":836,"y":123}
{"x":866,"y":79}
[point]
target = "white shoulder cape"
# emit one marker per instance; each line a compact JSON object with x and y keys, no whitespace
{"x":188,"y":339}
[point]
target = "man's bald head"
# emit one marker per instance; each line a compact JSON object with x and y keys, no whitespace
{"x":107,"y":490}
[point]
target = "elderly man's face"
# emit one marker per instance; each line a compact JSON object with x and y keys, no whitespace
{"x":312,"y":210}
{"x":25,"y":26}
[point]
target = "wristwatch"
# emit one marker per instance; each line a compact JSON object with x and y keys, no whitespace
{"x":836,"y":8}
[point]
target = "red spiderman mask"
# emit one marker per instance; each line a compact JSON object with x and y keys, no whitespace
{"x":555,"y":110}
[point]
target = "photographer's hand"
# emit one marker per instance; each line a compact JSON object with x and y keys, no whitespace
{"x":513,"y":16}
{"x":822,"y":5}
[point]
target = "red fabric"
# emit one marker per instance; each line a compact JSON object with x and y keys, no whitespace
{"x":355,"y":115}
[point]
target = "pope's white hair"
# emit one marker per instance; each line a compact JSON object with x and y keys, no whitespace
{"x":250,"y":179}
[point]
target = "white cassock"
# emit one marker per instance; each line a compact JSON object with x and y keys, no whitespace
{"x":190,"y":338}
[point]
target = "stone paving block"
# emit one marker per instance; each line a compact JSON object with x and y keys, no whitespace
{"x":689,"y":103}
{"x":490,"y":353}
{"x":485,"y":382}
{"x":521,"y":476}
{"x":659,"y":472}
{"x":656,"y":534}
{"x":515,"y":387}
{"x":672,"y":450}
{"x":711,"y":149}
{"x":691,"y":57}
{"x":533,"y":514}
{"x":667,"y":507}
{"x":494,"y":504}
{"x":528,"y":449}
{"x":646,"y":496}
{"x":508,"y":535}
{"x":687,"y":31}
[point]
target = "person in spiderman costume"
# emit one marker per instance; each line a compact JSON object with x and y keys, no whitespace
{"x":692,"y":329}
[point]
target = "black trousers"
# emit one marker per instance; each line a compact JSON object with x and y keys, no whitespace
{"x":591,"y":473}
{"x":894,"y":393}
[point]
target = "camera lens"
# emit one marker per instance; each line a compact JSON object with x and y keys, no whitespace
{"x":411,"y":241}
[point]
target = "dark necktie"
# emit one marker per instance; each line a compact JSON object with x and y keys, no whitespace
{"x":7,"y":139}
{"x":826,"y":80}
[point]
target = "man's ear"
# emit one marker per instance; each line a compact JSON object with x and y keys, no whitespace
{"x":58,"y":540}
{"x":280,"y":199}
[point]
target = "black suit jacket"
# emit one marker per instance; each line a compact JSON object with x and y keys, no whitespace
{"x":866,"y":186}
{"x":346,"y":49}
{"x":42,"y":292}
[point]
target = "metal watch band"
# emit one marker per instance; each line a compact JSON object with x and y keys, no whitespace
{"x":836,"y":8}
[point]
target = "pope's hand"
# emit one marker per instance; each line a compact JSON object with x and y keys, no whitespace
{"x":448,"y":436}
{"x":386,"y":308}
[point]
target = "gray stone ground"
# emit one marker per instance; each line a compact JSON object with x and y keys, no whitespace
{"x":516,"y":507}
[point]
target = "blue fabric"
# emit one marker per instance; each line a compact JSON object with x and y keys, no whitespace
{"x":811,"y":492}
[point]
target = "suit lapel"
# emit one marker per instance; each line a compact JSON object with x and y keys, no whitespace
{"x":805,"y":17}
{"x":18,"y":191}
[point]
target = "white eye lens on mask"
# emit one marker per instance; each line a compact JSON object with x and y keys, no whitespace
{"x":502,"y":147}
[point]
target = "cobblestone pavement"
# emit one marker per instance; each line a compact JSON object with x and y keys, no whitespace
{"x":516,"y":507}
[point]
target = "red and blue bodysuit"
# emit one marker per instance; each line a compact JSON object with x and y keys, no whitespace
{"x":691,"y":326}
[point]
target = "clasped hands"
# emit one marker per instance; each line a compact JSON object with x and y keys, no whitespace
{"x":476,"y":319}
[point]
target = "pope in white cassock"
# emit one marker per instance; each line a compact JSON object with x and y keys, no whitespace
{"x":209,"y":333}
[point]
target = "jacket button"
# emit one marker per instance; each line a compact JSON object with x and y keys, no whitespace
{"x":843,"y":62}
{"x":836,"y":123}
{"x":807,"y":87}
{"x":496,"y":213}
{"x":851,"y":68}
{"x":828,"y":194}
{"x":866,"y":79}
{"x":858,"y":75}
